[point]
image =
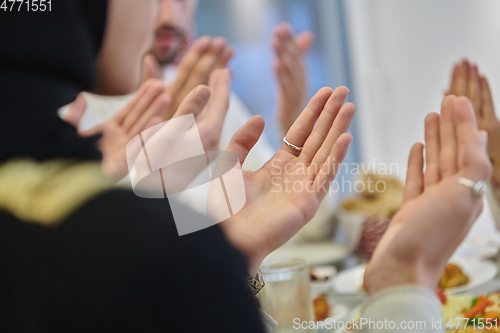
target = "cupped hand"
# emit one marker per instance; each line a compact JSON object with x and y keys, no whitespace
{"x":205,"y":56}
{"x":286,"y":192}
{"x":466,"y":81}
{"x":143,"y":111}
{"x":186,"y":137}
{"x":437,"y":211}
{"x":291,"y":72}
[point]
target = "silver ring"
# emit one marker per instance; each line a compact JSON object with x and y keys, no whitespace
{"x":478,"y":189}
{"x":291,"y":145}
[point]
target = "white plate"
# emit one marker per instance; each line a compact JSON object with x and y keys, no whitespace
{"x":315,"y":253}
{"x":350,"y":280}
{"x":474,"y":252}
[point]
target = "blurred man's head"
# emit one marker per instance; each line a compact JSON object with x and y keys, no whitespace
{"x":175,"y":19}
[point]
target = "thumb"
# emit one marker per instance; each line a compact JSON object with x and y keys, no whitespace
{"x":305,"y":40}
{"x":76,"y":111}
{"x":246,"y":137}
{"x":150,"y":68}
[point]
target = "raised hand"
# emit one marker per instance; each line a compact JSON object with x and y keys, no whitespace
{"x":466,"y":81}
{"x":150,"y":68}
{"x":164,"y":143}
{"x":205,"y":56}
{"x":437,"y":211}
{"x":286,"y":192}
{"x":143,"y":111}
{"x":291,"y":72}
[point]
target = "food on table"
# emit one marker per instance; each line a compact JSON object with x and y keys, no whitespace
{"x":378,"y":198}
{"x":453,"y":276}
{"x":476,"y":313}
{"x":321,"y":307}
{"x":475,"y":330}
{"x":442,"y":297}
{"x":454,"y":307}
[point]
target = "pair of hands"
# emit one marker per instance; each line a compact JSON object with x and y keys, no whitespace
{"x":204,"y":57}
{"x":466,"y":81}
{"x":272,"y":214}
{"x":253,"y":230}
{"x":291,"y":72}
{"x":437,"y":212}
{"x":207,"y":55}
{"x":146,"y":109}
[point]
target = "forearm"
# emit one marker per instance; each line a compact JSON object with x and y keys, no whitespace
{"x":399,"y":309}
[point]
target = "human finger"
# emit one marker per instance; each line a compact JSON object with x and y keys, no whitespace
{"x":304,"y":124}
{"x":324,"y":125}
{"x":340,"y":126}
{"x":156,"y":109}
{"x":329,"y":169}
{"x":246,"y":137}
{"x":474,"y":90}
{"x":432,"y":173}
{"x":194,"y":102}
{"x":414,"y":176}
{"x":487,"y":108}
{"x":156,"y":88}
{"x":448,"y":138}
{"x":188,"y":62}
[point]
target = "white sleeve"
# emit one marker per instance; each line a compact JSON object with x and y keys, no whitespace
{"x":402,"y":309}
{"x":99,"y":109}
{"x":269,"y":322}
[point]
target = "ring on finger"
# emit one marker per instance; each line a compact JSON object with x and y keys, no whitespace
{"x":292,"y":145}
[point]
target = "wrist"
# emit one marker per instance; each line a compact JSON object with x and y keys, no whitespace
{"x":246,"y":244}
{"x":254,"y":264}
{"x":395,"y":274}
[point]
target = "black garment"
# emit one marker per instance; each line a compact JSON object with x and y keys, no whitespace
{"x":118,"y":265}
{"x":46,"y":59}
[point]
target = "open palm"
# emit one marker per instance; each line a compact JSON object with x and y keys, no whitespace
{"x":286,"y":192}
{"x":437,"y":211}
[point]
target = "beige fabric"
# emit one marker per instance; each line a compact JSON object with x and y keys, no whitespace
{"x":47,"y":192}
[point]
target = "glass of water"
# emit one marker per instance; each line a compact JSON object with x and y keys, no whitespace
{"x":286,"y":296}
